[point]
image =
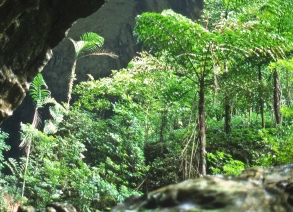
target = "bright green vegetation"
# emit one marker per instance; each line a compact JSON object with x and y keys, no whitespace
{"x":205,"y":97}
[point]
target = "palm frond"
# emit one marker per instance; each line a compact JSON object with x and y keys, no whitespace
{"x":88,"y":43}
{"x":39,"y":92}
{"x":92,"y":37}
{"x":28,"y":132}
{"x":57,"y":112}
{"x":37,"y":120}
{"x":50,"y":127}
{"x":109,"y":54}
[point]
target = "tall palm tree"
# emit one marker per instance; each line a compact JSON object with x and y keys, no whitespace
{"x":41,"y":96}
{"x":89,"y":44}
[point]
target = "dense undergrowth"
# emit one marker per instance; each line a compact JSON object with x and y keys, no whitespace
{"x":205,"y":97}
{"x":86,"y":164}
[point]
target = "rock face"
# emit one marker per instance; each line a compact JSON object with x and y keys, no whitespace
{"x":29,"y":29}
{"x":255,"y":190}
{"x":52,"y":207}
{"x":115,"y":22}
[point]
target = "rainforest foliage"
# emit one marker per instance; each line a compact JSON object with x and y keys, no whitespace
{"x":210,"y":96}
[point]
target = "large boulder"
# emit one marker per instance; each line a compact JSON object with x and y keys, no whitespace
{"x":29,"y":29}
{"x":255,"y":190}
{"x":52,"y":207}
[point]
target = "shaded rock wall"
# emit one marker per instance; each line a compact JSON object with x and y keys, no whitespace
{"x":115,"y":22}
{"x":29,"y":29}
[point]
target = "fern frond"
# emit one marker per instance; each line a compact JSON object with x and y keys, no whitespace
{"x":15,"y":167}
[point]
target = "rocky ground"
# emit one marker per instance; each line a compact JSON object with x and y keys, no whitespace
{"x":53,"y":207}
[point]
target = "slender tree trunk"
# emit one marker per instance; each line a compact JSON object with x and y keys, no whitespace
{"x":261,"y":97}
{"x":26,"y":165}
{"x":162,"y":127}
{"x":249,"y":117}
{"x":162,"y":130}
{"x":28,"y":150}
{"x":288,"y":95}
{"x":277,"y":97}
{"x":202,"y":130}
{"x":70,"y":84}
{"x":227,"y":115}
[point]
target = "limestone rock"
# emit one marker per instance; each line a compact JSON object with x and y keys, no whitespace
{"x":60,"y":207}
{"x":26,"y":209}
{"x":255,"y":190}
{"x":52,"y":207}
{"x":29,"y":29}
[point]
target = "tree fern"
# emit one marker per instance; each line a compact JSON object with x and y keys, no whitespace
{"x":40,"y":96}
{"x":205,"y":52}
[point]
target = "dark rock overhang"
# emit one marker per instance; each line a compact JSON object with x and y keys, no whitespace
{"x":29,"y":29}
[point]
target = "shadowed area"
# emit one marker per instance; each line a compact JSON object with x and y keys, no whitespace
{"x":29,"y":29}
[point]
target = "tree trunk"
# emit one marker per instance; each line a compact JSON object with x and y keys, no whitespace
{"x":261,"y":97}
{"x":249,"y":117}
{"x":277,"y":97}
{"x":227,"y":115}
{"x":70,"y":84}
{"x":162,"y":130}
{"x":202,"y":130}
{"x":288,"y":95}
